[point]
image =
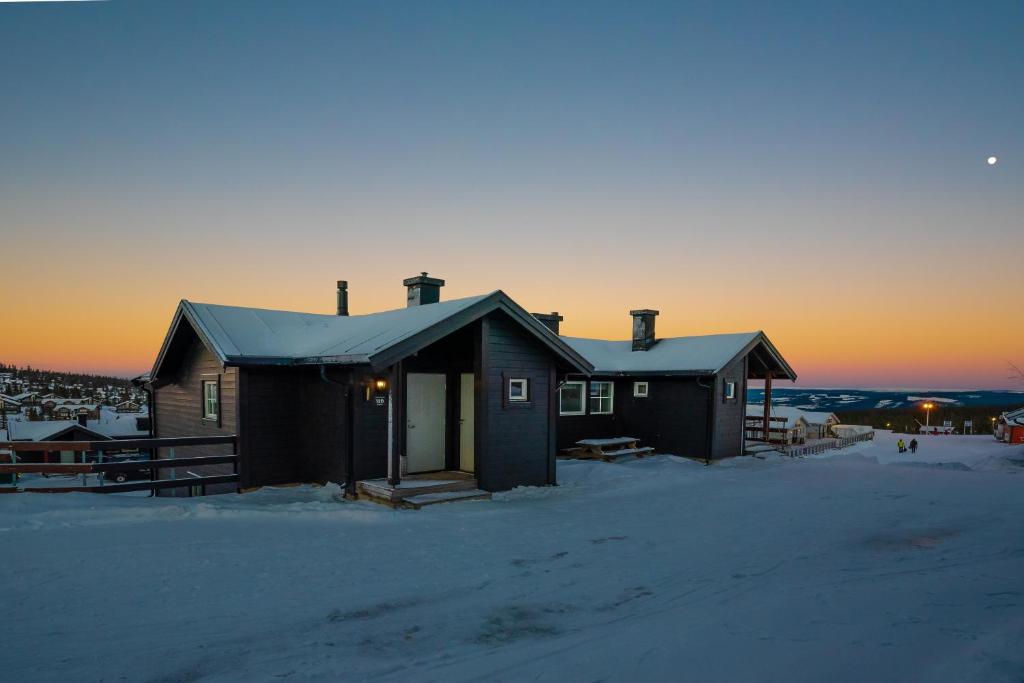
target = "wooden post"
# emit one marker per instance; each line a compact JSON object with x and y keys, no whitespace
{"x":398,"y":413}
{"x":767,"y":406}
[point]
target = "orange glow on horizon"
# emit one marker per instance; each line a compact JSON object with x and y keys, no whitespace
{"x":95,"y":331}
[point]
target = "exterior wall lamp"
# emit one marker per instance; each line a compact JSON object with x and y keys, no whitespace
{"x":379,"y":384}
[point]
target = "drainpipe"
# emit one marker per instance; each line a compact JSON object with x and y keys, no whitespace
{"x":709,"y":429}
{"x":350,"y":483}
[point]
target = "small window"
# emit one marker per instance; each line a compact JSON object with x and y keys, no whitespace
{"x":602,"y":396}
{"x":518,"y":390}
{"x":570,"y":399}
{"x":211,"y":400}
{"x":730,"y":391}
{"x":640,"y":389}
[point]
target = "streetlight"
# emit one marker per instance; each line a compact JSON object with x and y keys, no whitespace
{"x":928,"y":413}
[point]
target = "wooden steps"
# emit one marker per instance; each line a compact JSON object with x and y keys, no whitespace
{"x":417,"y":492}
{"x":423,"y":499}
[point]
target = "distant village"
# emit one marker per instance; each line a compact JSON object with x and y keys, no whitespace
{"x":41,"y":405}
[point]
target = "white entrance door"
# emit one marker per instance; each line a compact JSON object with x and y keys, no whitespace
{"x":424,"y":426}
{"x":467,"y":459}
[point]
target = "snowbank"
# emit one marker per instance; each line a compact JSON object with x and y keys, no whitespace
{"x":843,"y":568}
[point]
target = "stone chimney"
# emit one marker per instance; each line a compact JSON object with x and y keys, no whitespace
{"x":342,"y":297}
{"x":422,"y":290}
{"x":549,"y":320}
{"x":643,"y":329}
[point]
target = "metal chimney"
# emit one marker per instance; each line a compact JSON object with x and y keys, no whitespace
{"x":342,"y":297}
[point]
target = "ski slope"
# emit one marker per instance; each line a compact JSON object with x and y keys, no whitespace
{"x":851,"y":567}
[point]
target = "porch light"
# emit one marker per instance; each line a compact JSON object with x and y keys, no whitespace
{"x":379,"y":384}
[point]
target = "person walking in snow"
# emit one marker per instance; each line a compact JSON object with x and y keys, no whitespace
{"x":900,"y":447}
{"x":913,"y":445}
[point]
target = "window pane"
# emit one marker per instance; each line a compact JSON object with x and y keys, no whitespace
{"x":601,"y":397}
{"x":571,"y":398}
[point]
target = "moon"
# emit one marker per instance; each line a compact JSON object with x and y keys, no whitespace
{"x":992,"y":161}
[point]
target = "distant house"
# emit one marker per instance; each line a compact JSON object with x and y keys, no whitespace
{"x":465,"y":385}
{"x":679,"y":395}
{"x":128,"y":407}
{"x":9,"y":404}
{"x":792,"y":425}
{"x":71,"y":411}
{"x":936,"y":429}
{"x":105,"y":428}
{"x":27,"y":398}
{"x":1010,"y":426}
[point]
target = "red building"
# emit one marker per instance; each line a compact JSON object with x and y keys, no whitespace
{"x":1010,"y":426}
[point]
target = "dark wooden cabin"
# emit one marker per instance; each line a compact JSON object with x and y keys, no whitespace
{"x":467,"y":385}
{"x":683,"y":395}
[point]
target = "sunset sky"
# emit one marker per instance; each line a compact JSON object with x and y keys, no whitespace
{"x":816,"y":170}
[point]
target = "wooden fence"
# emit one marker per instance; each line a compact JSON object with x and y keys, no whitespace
{"x":827,"y":445}
{"x":100,"y":467}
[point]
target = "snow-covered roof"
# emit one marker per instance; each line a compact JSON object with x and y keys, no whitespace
{"x":77,"y":406}
{"x":1015,"y":416}
{"x":110,"y":425}
{"x":792,"y":414}
{"x":259,"y":336}
{"x":8,"y":399}
{"x":700,"y":355}
{"x":40,"y":430}
{"x":259,"y":333}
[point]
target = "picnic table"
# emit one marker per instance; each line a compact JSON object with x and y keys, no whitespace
{"x":608,"y":450}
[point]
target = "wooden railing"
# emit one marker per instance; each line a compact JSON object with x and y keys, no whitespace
{"x":101,"y":467}
{"x":827,"y":445}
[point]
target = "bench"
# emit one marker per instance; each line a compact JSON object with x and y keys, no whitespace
{"x":607,"y":450}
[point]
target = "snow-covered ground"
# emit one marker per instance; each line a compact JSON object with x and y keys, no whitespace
{"x":852,"y":567}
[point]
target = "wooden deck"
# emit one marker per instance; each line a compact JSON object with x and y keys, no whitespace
{"x":418,"y":490}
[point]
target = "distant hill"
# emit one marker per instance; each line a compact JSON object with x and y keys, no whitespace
{"x":845,"y":400}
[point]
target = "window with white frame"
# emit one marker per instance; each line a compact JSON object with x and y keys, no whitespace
{"x":730,"y":391}
{"x":640,"y":389}
{"x":571,"y":399}
{"x":211,"y":399}
{"x":518,"y":390}
{"x":602,"y":395}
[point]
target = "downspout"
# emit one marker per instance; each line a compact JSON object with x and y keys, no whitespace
{"x":709,"y":431}
{"x":350,"y":432}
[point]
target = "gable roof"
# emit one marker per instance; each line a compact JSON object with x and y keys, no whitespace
{"x":696,"y":356}
{"x":1015,"y":416}
{"x":110,"y":425}
{"x":254,"y":336}
{"x":46,"y":430}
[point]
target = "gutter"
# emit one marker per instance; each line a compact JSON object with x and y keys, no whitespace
{"x":709,"y":431}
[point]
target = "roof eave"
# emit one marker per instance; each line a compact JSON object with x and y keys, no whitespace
{"x":653,"y":373}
